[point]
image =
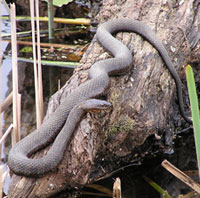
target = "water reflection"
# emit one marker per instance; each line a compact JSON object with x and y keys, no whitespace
{"x":53,"y":77}
{"x":5,"y":70}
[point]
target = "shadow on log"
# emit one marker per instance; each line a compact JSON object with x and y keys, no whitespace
{"x":142,"y":98}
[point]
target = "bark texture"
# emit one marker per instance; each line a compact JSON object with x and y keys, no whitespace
{"x":142,"y":98}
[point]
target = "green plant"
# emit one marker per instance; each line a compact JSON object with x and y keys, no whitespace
{"x":60,"y":3}
{"x":162,"y":192}
{"x":195,"y":110}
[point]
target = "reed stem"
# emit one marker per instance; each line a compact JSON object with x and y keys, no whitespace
{"x":16,"y":134}
{"x":40,"y":86}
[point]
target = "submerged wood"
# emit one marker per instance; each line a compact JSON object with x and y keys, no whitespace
{"x":142,"y":99}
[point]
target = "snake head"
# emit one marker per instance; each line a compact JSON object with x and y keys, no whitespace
{"x":94,"y":105}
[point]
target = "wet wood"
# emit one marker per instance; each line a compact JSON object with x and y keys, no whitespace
{"x":142,"y":99}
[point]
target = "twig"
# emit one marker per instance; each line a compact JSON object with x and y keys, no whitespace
{"x":117,"y":170}
{"x":180,"y":175}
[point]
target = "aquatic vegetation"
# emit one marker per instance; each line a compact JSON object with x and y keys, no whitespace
{"x":195,"y":110}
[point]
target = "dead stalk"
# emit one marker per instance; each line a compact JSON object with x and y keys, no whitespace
{"x":7,"y":102}
{"x":6,"y":133}
{"x":53,"y":45}
{"x":117,"y":188}
{"x":16,"y":134}
{"x":38,"y":120}
{"x":40,"y":87}
{"x":1,"y":173}
{"x":181,"y":175}
{"x":19,"y":97}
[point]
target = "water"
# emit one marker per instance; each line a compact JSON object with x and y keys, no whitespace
{"x":6,"y":63}
{"x":5,"y":70}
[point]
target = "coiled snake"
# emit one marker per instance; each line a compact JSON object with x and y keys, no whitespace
{"x":18,"y":159}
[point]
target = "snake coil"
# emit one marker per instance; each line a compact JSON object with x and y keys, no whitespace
{"x":19,"y":157}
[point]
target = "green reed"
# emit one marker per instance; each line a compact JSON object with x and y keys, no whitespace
{"x":195,"y":110}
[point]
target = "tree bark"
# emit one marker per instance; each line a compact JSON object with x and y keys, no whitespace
{"x":142,"y":98}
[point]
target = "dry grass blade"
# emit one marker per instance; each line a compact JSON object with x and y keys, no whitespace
{"x":182,"y":176}
{"x":101,"y":189}
{"x":16,"y":134}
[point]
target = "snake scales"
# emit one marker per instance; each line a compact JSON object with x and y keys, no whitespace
{"x":19,"y":157}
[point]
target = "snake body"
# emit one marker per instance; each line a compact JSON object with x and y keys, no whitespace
{"x":19,"y":159}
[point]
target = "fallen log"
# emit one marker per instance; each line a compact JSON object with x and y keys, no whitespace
{"x":142,"y":98}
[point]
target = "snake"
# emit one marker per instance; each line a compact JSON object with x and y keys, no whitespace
{"x":61,"y":124}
